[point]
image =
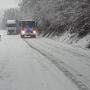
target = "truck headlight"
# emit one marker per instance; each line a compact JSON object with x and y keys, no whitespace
{"x":34,"y":32}
{"x":22,"y":32}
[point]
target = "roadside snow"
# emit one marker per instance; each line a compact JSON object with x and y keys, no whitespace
{"x":74,"y":41}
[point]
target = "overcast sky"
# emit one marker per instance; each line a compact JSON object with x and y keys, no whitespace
{"x":4,"y":4}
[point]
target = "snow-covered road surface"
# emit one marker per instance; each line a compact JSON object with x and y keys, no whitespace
{"x":24,"y":68}
{"x":73,"y":62}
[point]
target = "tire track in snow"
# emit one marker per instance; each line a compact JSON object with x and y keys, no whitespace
{"x":60,"y":65}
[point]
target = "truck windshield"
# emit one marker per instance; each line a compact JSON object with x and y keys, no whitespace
{"x":11,"y":25}
{"x":28,"y":23}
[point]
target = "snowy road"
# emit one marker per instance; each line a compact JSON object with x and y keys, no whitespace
{"x":36,"y":64}
{"x":72,"y":61}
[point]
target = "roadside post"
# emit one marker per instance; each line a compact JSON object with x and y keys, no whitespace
{"x":0,"y":37}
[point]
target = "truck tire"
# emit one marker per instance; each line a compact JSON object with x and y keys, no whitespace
{"x":22,"y":36}
{"x":34,"y":36}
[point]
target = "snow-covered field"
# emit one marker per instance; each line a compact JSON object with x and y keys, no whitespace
{"x":25,"y":65}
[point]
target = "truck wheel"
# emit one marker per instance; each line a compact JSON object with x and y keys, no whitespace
{"x":34,"y":36}
{"x":22,"y":36}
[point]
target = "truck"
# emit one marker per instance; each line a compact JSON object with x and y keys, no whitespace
{"x":12,"y":27}
{"x":28,"y":28}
